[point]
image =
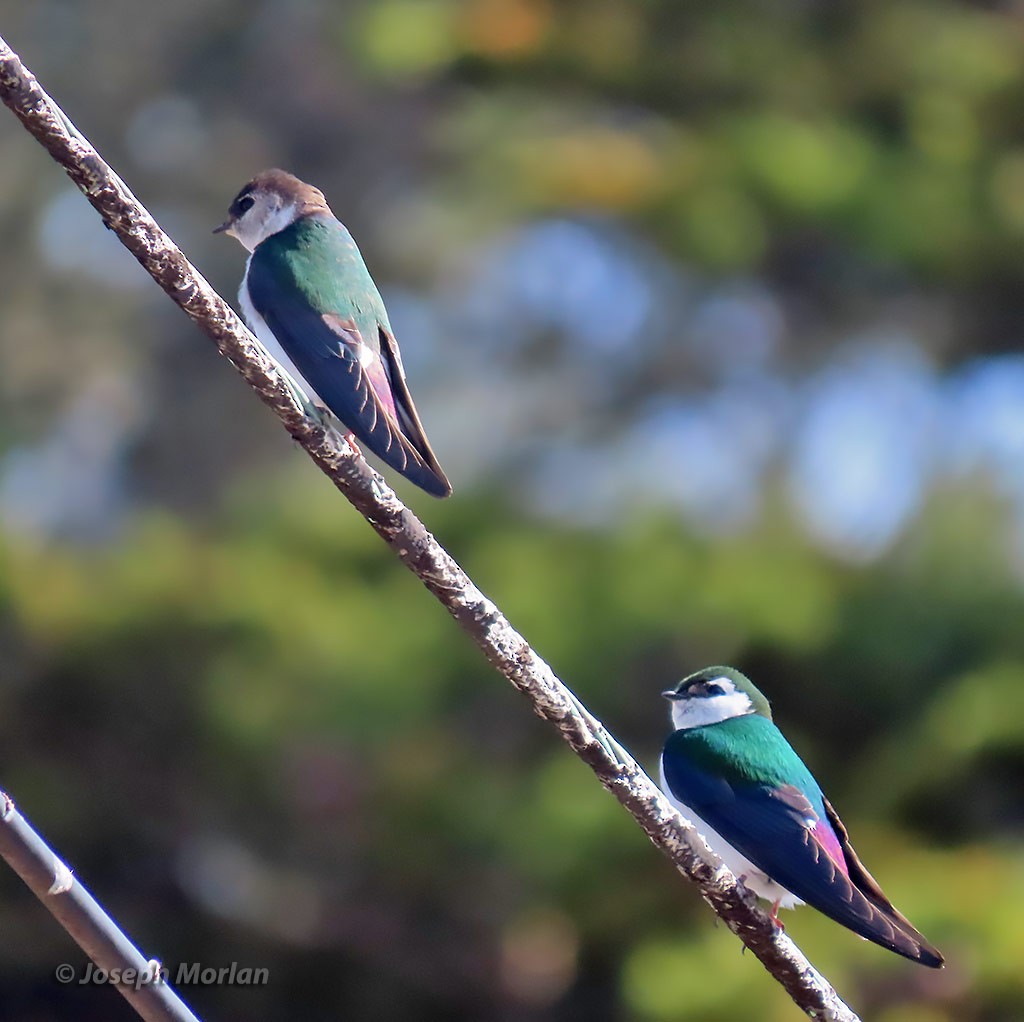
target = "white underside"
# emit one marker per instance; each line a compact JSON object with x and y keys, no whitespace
{"x":258,"y":325}
{"x":739,"y":865}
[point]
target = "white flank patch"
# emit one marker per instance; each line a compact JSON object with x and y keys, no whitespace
{"x":258,"y":325}
{"x":739,"y":865}
{"x":366,"y":355}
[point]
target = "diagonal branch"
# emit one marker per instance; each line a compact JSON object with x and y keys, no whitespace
{"x":143,"y":984}
{"x":506,"y":649}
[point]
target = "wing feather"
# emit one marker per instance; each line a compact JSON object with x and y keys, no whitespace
{"x":359,"y":379}
{"x":803,"y":849}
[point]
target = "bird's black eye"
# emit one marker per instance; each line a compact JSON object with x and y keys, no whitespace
{"x":712,"y":688}
{"x":244,"y":204}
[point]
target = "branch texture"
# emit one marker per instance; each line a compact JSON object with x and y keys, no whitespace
{"x":505,"y":648}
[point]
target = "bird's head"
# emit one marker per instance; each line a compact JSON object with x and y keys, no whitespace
{"x":712,"y":695}
{"x":270,"y":202}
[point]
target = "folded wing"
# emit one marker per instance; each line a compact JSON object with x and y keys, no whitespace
{"x":359,"y":379}
{"x":806,"y":852}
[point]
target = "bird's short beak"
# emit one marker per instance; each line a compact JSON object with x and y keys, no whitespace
{"x":671,"y":693}
{"x":223,"y":227}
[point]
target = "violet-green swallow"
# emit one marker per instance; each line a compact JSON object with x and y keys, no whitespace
{"x":309,"y":299}
{"x":730,"y":771}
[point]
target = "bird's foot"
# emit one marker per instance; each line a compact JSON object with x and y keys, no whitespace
{"x":775,"y":916}
{"x":327,"y":421}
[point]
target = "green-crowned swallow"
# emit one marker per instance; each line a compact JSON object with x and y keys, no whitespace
{"x":309,"y":299}
{"x":729,"y":770}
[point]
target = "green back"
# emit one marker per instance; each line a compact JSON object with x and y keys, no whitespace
{"x":747,"y":750}
{"x":318,"y":261}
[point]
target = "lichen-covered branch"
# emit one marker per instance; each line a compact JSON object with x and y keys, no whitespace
{"x":506,"y":649}
{"x":141,"y":982}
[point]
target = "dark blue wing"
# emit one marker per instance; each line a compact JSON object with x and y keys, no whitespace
{"x":804,"y":850}
{"x":359,"y":379}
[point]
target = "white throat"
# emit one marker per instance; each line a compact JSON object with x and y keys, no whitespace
{"x":687,"y":713}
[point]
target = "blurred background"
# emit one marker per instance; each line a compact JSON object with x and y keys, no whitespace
{"x":714,"y":316}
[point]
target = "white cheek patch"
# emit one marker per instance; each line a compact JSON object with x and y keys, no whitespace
{"x":687,"y":713}
{"x":278,"y":220}
{"x":260,"y":222}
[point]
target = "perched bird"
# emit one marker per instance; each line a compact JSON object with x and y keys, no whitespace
{"x":309,"y":299}
{"x":730,"y":771}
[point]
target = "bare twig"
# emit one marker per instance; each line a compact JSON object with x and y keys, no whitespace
{"x":142,"y":983}
{"x":415,"y":546}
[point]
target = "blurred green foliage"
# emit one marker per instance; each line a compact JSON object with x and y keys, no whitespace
{"x":257,"y":739}
{"x":270,"y":714}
